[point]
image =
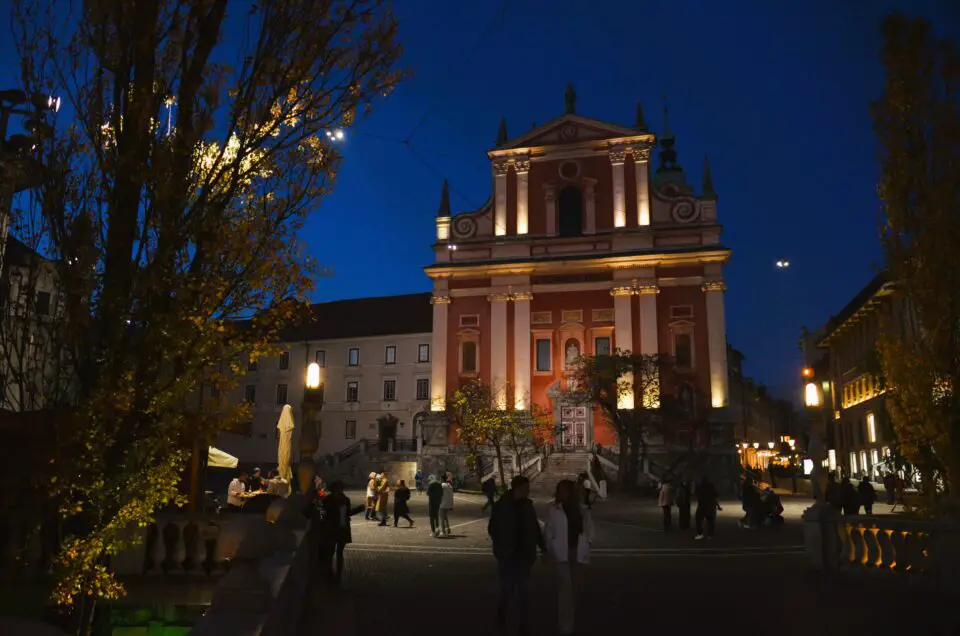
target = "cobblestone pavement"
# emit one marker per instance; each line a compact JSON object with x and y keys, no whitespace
{"x":401,"y":581}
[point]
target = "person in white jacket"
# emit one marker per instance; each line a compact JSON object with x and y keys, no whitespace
{"x":568,"y":533}
{"x":446,"y":505}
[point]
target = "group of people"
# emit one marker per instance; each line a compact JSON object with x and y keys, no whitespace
{"x":680,"y":495}
{"x":245,"y":486}
{"x":378,"y":500}
{"x":760,"y":506}
{"x":844,"y":497}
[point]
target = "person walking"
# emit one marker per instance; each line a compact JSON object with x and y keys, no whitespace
{"x":371,"y":514}
{"x":708,"y":503}
{"x":334,"y":531}
{"x":401,"y":507}
{"x":418,"y":481}
{"x":434,"y":498}
{"x":683,"y":505}
{"x":849,"y":498}
{"x":666,"y":503}
{"x":490,"y":492}
{"x":516,"y":536}
{"x":383,"y":498}
{"x":867,"y":495}
{"x":751,"y":505}
{"x":568,"y":533}
{"x":446,"y":505}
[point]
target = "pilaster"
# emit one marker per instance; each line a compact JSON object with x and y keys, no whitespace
{"x":522,"y":166}
{"x":647,"y":290}
{"x":438,"y":365}
{"x":641,"y":163}
{"x":717,"y":341}
{"x":498,"y":348}
{"x":550,"y":207}
{"x":623,"y":338}
{"x":617,"y":157}
{"x":521,"y":350}
{"x":590,"y":198}
{"x":500,"y":169}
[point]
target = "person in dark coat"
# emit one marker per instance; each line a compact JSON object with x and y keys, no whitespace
{"x":434,"y":497}
{"x":682,"y":499}
{"x":489,"y":488}
{"x":400,"y":506}
{"x":867,"y":495}
{"x":332,"y":521}
{"x":751,"y":505}
{"x":849,"y":498}
{"x":833,"y":494}
{"x":708,"y":503}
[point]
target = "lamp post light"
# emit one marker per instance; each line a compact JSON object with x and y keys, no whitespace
{"x":309,"y":439}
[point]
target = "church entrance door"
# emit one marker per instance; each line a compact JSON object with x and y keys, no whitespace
{"x":573,"y":421}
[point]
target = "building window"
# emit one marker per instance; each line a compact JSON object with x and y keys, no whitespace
{"x":863,"y":462}
{"x":253,"y":365}
{"x":468,"y":356}
{"x":832,"y":459}
{"x":281,"y":394}
{"x":320,"y":357}
{"x":543,"y":354}
{"x":284,"y":361}
{"x":853,"y":462}
{"x":875,"y":462}
{"x":683,"y":350}
{"x":871,"y":428}
{"x":389,"y":390}
{"x":601,"y":346}
{"x":390,"y":355}
{"x":250,"y":394}
{"x":570,"y":204}
{"x":423,"y":389}
{"x":353,"y":357}
{"x":353,"y":391}
{"x":350,"y":429}
{"x":43,"y":303}
{"x":423,"y":353}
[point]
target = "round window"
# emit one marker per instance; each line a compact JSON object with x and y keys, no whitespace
{"x":569,"y":170}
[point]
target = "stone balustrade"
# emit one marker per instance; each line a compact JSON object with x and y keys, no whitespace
{"x":923,"y":551}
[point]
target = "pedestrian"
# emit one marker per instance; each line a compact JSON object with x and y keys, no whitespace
{"x":370,"y":514}
{"x":889,"y":485}
{"x":434,"y":497}
{"x":418,"y":481}
{"x":334,"y":531}
{"x":751,"y":505}
{"x":683,"y":504}
{"x":666,"y":503}
{"x":235,"y":492}
{"x":516,"y":536}
{"x":708,"y":503}
{"x":383,"y":498}
{"x":867,"y":495}
{"x":489,"y":489}
{"x":446,"y":506}
{"x":568,"y":533}
{"x":849,"y":498}
{"x":400,"y":505}
{"x":833,"y":495}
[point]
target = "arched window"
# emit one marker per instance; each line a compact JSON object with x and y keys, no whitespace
{"x":571,"y":212}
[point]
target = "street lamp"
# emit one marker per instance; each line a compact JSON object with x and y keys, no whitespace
{"x":309,"y":439}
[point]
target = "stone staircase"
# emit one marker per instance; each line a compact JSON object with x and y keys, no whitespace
{"x":559,"y":466}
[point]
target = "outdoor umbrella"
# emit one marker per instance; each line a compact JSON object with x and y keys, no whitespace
{"x":216,"y":458}
{"x":285,"y":428}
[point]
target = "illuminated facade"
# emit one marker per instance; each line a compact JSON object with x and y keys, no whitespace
{"x":582,"y":248}
{"x":861,"y":436}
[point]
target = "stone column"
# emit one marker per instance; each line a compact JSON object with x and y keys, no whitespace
{"x":550,"y":207}
{"x":521,"y":350}
{"x":438,"y":353}
{"x":522,"y":166}
{"x":649,"y":336}
{"x":717,"y":339}
{"x":641,"y":158}
{"x":498,"y":348}
{"x":623,"y":336}
{"x":617,"y":156}
{"x":500,"y":169}
{"x":590,"y":198}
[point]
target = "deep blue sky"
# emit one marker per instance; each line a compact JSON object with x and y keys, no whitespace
{"x":777,"y":93}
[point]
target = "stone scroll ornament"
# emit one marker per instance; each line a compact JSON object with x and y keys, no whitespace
{"x":684,"y":211}
{"x":464,"y":227}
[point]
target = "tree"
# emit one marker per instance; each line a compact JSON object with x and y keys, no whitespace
{"x":526,"y":431}
{"x":917,"y":122}
{"x":187,"y":159}
{"x":479,"y":422}
{"x":615,"y":383}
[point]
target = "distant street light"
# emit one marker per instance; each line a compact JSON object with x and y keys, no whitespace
{"x":783,"y":264}
{"x":336,"y":135}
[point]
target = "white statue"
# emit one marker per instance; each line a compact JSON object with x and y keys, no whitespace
{"x":573,"y":352}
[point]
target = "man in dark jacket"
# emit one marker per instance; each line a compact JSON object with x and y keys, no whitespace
{"x":516,"y":536}
{"x":331,"y":527}
{"x":490,"y":492}
{"x":867,"y":494}
{"x":708,"y":503}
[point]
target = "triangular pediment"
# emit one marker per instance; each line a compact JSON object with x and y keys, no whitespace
{"x":568,"y":129}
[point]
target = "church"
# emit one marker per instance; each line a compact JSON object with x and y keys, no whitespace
{"x":591,"y":241}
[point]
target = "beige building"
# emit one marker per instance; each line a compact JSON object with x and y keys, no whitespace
{"x":375,"y":358}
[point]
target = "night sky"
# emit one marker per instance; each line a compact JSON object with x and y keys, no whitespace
{"x":777,"y":93}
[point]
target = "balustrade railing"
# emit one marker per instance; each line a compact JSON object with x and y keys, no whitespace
{"x":886,"y":544}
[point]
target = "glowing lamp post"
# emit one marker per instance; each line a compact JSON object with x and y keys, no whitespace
{"x":309,"y":440}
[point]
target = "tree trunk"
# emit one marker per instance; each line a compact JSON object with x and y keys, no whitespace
{"x":500,"y":463}
{"x":623,"y":477}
